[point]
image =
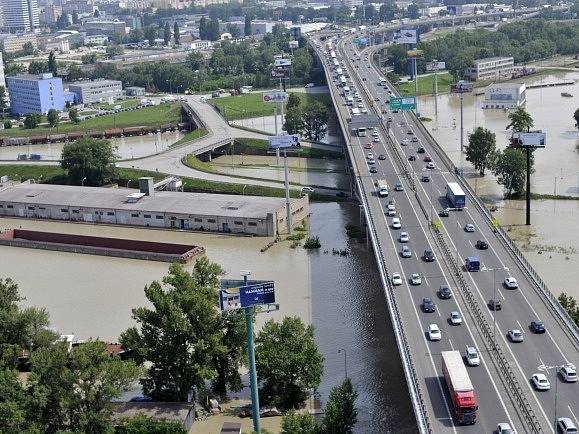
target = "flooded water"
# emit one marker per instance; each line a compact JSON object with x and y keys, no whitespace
{"x":127,"y":147}
{"x":341,"y":295}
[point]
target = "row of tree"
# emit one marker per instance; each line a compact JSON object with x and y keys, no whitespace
{"x":570,"y":305}
{"x":309,"y":120}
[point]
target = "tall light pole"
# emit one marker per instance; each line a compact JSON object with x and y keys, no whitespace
{"x":128,"y":182}
{"x":494,"y":270}
{"x":343,"y":350}
{"x":82,"y":182}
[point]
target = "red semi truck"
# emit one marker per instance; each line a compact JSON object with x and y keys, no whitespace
{"x":460,"y":387}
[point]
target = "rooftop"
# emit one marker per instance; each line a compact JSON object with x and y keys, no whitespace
{"x":162,"y":201}
{"x":91,"y":83}
{"x":491,"y":59}
{"x":45,"y":76}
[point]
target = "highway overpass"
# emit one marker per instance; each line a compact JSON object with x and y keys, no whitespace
{"x":502,"y":381}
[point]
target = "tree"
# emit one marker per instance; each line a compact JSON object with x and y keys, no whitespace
{"x":294,"y":100}
{"x":481,"y":148}
{"x":184,"y":336}
{"x":195,"y":60}
{"x":341,"y":415}
{"x":89,"y":58}
{"x":392,"y":77}
{"x":569,"y":303}
{"x":52,"y":117}
{"x":576,"y":117}
{"x":32,"y":120}
{"x":233,"y":29}
{"x":299,"y":423}
{"x":167,"y":34}
{"x":74,"y":116}
{"x":77,"y":385}
{"x":62,"y":21}
{"x":151,"y":34}
{"x":315,"y":119}
{"x":293,"y":120}
{"x":28,"y":49}
{"x":142,"y":424}
{"x":413,"y":11}
{"x":520,"y":119}
{"x":73,"y":72}
{"x":96,"y":13}
{"x":75,"y":19}
{"x":176,"y":34}
{"x":52,"y":66}
{"x":510,"y":169}
{"x":213,"y":32}
{"x":7,"y":124}
{"x":203,"y":28}
{"x":3,"y":102}
{"x":13,"y":403}
{"x":136,"y":35}
{"x":114,"y":50}
{"x":247,"y":26}
{"x":288,"y":362}
{"x":37,"y":67}
{"x":93,"y":159}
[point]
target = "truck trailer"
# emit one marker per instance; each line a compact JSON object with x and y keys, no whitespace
{"x":460,"y":388}
{"x":455,"y":195}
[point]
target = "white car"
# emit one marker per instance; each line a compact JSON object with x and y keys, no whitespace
{"x":406,"y":252}
{"x":396,"y":223}
{"x":511,"y":283}
{"x":469,"y":227}
{"x":375,"y":133}
{"x":307,"y":190}
{"x":404,"y":238}
{"x":455,"y":318}
{"x":360,"y":105}
{"x":376,"y":139}
{"x":370,"y":156}
{"x":504,"y":428}
{"x":472,"y":358}
{"x":568,"y":373}
{"x":415,"y":279}
{"x":307,"y":86}
{"x":434,"y":333}
{"x":516,"y":335}
{"x":540,"y":382}
{"x":396,"y":279}
{"x":404,"y":142}
{"x":430,"y":165}
{"x":391,"y":212}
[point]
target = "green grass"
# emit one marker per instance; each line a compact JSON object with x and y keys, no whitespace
{"x":249,"y":146}
{"x":191,"y":135}
{"x":127,"y":103}
{"x":250,"y":105}
{"x":426,"y":85}
{"x":147,"y":116}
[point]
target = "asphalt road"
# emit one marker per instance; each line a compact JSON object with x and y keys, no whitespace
{"x":538,"y":353}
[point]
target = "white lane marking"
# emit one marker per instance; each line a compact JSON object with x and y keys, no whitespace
{"x":450,"y":342}
{"x":573,"y":414}
{"x":520,"y":326}
{"x":470,"y":242}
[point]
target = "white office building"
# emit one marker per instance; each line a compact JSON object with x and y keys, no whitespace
{"x":505,"y":96}
{"x":87,"y":92}
{"x":492,"y":68}
{"x":20,"y":16}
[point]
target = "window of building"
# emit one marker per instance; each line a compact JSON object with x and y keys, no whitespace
{"x":210,"y":220}
{"x":10,"y":206}
{"x":238,"y":223}
{"x":31,"y":208}
{"x":251,"y":223}
{"x":110,"y":213}
{"x":75,"y":211}
{"x":198,"y":220}
{"x":147,"y":216}
{"x":159,"y":217}
{"x":134,"y":215}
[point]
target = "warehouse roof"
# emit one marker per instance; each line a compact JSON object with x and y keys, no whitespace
{"x":161,"y":202}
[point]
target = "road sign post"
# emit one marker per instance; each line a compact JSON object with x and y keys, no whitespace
{"x":403,"y":103}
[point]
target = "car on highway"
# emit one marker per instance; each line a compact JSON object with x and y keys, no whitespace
{"x":360,"y":105}
{"x":371,"y":161}
{"x":376,"y":139}
{"x":414,"y":139}
{"x":444,"y":292}
{"x":421,"y":150}
{"x":515,"y":335}
{"x":425,"y":178}
{"x":373,"y":170}
{"x":412,"y":158}
{"x":428,"y":305}
{"x":364,"y":78}
{"x":404,"y":142}
{"x":368,"y":145}
{"x":430,"y":165}
{"x":482,"y":245}
{"x":537,"y":327}
{"x":396,"y":223}
{"x":375,"y":133}
{"x":494,"y":304}
{"x":428,"y":256}
{"x":398,"y":187}
{"x":396,"y":279}
{"x":540,"y":382}
{"x":443,"y":213}
{"x":566,"y":426}
{"x":381,"y":157}
{"x":472,"y":358}
{"x":434,"y":333}
{"x":427,"y":158}
{"x":406,"y":252}
{"x":469,"y":227}
{"x":415,"y":279}
{"x":391,"y":209}
{"x":568,"y":373}
{"x":511,"y":283}
{"x":455,"y":318}
{"x":370,"y":155}
{"x":404,"y":238}
{"x":410,"y":132}
{"x":504,"y":428}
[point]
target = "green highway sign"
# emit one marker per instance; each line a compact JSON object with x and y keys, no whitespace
{"x":404,"y":103}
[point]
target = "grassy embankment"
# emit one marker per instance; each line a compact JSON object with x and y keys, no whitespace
{"x":250,"y":105}
{"x":426,"y":84}
{"x":127,"y":103}
{"x":191,"y":135}
{"x":146,"y":116}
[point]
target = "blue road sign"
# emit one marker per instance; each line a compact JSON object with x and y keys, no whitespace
{"x":261,"y":293}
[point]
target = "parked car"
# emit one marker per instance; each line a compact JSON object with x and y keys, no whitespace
{"x":427,"y":159}
{"x":421,"y":150}
{"x":425,"y":178}
{"x":381,"y":157}
{"x":566,"y":426}
{"x":430,"y":166}
{"x":515,"y":335}
{"x":373,"y":170}
{"x":307,"y":190}
{"x":399,"y":187}
{"x":443,"y":213}
{"x":412,"y":158}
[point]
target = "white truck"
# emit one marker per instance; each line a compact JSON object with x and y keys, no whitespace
{"x":382,"y":185}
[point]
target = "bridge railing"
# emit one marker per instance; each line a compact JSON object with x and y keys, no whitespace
{"x":412,"y":378}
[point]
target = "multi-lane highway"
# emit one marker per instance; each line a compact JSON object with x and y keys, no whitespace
{"x":502,"y":381}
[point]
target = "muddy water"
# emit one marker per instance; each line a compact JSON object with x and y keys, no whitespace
{"x":341,"y":296}
{"x":127,"y":147}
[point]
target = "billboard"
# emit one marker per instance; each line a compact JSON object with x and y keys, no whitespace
{"x":245,"y":296}
{"x":281,"y":62}
{"x":275,"y":96}
{"x":406,"y":36}
{"x":414,"y":53}
{"x":293,"y":44}
{"x":435,"y":66}
{"x":451,"y":10}
{"x":280,"y":73}
{"x":285,"y":141}
{"x":404,"y":103}
{"x":532,"y":139}
{"x":462,"y":87}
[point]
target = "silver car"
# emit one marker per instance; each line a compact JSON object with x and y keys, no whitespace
{"x":406,"y":252}
{"x":516,"y":335}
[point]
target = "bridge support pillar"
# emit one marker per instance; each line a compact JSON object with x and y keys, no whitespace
{"x":209,"y":156}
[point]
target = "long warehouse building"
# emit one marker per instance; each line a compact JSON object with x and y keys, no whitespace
{"x":255,"y":215}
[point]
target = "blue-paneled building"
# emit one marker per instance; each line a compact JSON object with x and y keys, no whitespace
{"x":35,"y":93}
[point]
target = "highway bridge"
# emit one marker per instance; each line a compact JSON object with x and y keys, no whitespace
{"x":502,"y":381}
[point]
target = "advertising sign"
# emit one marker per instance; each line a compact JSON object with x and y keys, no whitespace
{"x":532,"y":139}
{"x":404,"y":103}
{"x":281,"y":62}
{"x":451,"y":10}
{"x":275,"y":96}
{"x":279,"y":73}
{"x":285,"y":141}
{"x":294,"y":44}
{"x":462,"y":87}
{"x":406,"y":36}
{"x":435,"y":66}
{"x":238,"y":297}
{"x":414,"y":53}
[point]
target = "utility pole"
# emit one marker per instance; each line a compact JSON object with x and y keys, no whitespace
{"x":435,"y":62}
{"x":461,"y":125}
{"x":528,"y":192}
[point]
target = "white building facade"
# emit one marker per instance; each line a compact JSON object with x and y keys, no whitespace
{"x":20,"y":16}
{"x":492,"y":68}
{"x":505,"y":96}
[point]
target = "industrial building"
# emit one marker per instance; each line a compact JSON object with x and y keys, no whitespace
{"x":262,"y":216}
{"x":505,"y":96}
{"x":87,"y":92}
{"x":35,"y":93}
{"x":492,"y":68}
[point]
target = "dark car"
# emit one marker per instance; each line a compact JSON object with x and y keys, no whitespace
{"x":428,"y":305}
{"x":421,"y":150}
{"x":427,"y":158}
{"x":376,"y":99}
{"x":538,"y":327}
{"x":443,"y":213}
{"x":381,"y":157}
{"x":494,"y":304}
{"x":412,"y":158}
{"x":425,"y":178}
{"x":428,"y":256}
{"x":482,"y":245}
{"x":373,"y":170}
{"x":363,"y":78}
{"x":341,"y":194}
{"x":444,"y":292}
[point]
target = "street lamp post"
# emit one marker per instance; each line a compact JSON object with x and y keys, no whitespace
{"x":82,"y":182}
{"x":128,"y":182}
{"x":343,"y":350}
